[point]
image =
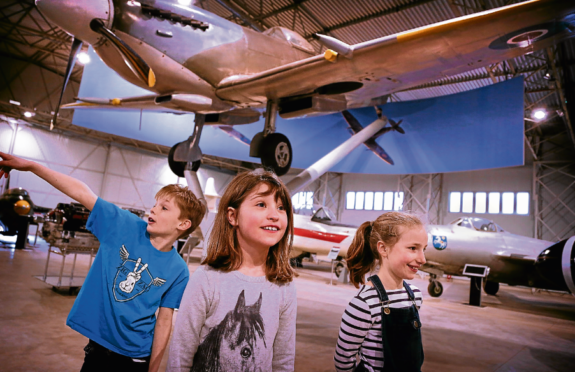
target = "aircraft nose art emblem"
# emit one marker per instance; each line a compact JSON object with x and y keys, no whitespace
{"x":439,"y":242}
{"x":133,"y":278}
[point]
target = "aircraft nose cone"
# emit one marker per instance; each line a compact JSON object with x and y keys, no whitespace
{"x":74,"y":16}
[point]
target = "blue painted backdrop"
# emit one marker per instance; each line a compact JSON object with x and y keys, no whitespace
{"x":478,"y":129}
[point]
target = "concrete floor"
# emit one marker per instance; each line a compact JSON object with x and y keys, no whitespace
{"x":517,"y":330}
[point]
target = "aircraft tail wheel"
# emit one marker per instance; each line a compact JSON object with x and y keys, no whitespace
{"x":178,"y":167}
{"x":490,"y":287}
{"x":338,"y":269}
{"x":435,"y":289}
{"x":276,"y":153}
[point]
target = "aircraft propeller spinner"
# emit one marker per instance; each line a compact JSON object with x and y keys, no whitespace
{"x":136,"y":63}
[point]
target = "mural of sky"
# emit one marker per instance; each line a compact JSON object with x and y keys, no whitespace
{"x":478,"y":129}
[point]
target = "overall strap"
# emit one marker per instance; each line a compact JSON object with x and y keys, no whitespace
{"x":409,"y":291}
{"x":379,"y":288}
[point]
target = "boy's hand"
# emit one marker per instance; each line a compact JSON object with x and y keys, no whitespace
{"x":10,"y":162}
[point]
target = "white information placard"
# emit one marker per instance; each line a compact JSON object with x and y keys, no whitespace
{"x":333,"y":253}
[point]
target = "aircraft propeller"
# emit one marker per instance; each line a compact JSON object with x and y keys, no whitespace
{"x":76,"y":45}
{"x":136,"y":63}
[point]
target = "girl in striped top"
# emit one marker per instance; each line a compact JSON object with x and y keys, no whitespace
{"x":381,"y":323}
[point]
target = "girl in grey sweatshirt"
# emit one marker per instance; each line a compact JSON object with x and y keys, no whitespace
{"x":238,"y":312}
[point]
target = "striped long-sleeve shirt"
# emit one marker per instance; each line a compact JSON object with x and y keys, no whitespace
{"x":360,"y":329}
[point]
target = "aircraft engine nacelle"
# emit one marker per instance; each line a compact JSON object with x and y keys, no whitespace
{"x":556,"y":266}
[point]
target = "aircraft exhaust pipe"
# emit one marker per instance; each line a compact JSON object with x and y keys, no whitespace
{"x":324,"y":164}
{"x":555,"y":266}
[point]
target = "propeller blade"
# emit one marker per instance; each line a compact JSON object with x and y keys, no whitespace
{"x":138,"y":66}
{"x":76,"y":45}
{"x":396,"y":126}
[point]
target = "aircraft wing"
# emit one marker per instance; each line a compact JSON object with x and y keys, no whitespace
{"x":378,"y":150}
{"x":392,"y":63}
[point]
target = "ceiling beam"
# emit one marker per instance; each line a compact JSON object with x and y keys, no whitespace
{"x":369,"y":17}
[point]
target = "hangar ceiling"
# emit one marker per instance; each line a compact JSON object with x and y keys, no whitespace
{"x":34,"y":53}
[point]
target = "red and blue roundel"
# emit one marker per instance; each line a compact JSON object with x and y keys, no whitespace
{"x":439,"y":242}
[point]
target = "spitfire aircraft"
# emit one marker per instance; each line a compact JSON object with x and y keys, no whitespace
{"x":194,"y":61}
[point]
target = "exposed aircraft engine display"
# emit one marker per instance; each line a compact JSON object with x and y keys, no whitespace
{"x":65,"y":226}
{"x":16,"y":213}
{"x":169,"y":48}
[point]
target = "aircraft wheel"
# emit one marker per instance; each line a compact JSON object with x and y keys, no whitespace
{"x":296,"y":262}
{"x":491,"y":288}
{"x":338,"y":269}
{"x":178,"y":167}
{"x":276,"y":153}
{"x":435,"y":289}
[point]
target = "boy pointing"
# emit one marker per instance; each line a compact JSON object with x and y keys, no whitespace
{"x":135,"y":272}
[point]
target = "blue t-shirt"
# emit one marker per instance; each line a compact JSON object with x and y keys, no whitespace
{"x":127,"y":283}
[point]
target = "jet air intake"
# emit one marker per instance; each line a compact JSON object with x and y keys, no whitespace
{"x":556,"y":267}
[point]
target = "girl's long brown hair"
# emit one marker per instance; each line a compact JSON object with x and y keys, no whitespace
{"x":362,"y":255}
{"x":224,"y":252}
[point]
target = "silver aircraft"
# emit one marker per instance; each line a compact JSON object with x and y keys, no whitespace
{"x":512,"y":259}
{"x":194,"y":61}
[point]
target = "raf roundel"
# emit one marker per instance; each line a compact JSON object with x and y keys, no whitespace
{"x":439,"y":242}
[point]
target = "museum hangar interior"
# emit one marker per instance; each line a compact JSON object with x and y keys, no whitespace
{"x":522,"y":327}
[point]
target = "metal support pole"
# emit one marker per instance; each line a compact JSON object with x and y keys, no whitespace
{"x":47,"y":261}
{"x":73,"y":267}
{"x":62,"y":268}
{"x":324,"y":164}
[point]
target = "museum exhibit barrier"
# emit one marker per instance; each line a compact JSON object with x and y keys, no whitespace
{"x":64,"y":229}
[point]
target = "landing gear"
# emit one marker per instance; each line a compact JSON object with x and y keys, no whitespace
{"x":435,"y":288}
{"x":298,"y":260}
{"x":338,"y":268}
{"x":491,"y":288}
{"x":187,"y":155}
{"x":274,"y":149}
{"x":276,"y":153}
{"x":178,"y":167}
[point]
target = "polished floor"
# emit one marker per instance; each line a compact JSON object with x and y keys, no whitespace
{"x":517,"y":330}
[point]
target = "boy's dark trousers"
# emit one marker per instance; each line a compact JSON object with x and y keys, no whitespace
{"x":99,"y":359}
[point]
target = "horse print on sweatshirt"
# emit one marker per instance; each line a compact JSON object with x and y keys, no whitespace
{"x":233,"y":345}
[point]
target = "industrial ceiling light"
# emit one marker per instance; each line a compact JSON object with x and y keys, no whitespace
{"x":547,"y":75}
{"x":539,"y":114}
{"x":28,"y":114}
{"x":83,"y":58}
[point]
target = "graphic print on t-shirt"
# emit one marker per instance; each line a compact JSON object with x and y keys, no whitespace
{"x":133,"y":278}
{"x":233,"y":345}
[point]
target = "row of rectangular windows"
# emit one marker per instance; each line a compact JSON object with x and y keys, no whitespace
{"x":374,"y":201}
{"x":492,"y":203}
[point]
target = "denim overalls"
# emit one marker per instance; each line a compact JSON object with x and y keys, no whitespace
{"x":400,"y":333}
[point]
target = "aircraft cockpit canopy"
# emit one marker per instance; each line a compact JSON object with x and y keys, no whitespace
{"x":290,"y":36}
{"x":478,"y":224}
{"x":323,"y":215}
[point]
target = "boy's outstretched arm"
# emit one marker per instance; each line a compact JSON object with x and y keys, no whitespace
{"x":70,"y":186}
{"x":161,"y":337}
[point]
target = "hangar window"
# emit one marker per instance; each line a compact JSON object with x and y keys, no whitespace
{"x":507,"y":202}
{"x":359,"y":200}
{"x":302,"y":200}
{"x":480,"y":202}
{"x":494,"y":202}
{"x":455,"y":202}
{"x":378,"y":201}
{"x":370,"y":200}
{"x":467,"y":206}
{"x":523,"y":203}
